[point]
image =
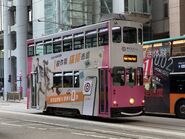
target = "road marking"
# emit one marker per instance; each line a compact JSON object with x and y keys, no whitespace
{"x":98,"y":136}
{"x":80,"y":134}
{"x":8,"y":124}
{"x":42,"y":129}
{"x":32,"y":127}
{"x":87,"y":134}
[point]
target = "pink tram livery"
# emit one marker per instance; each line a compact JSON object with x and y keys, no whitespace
{"x":94,"y":70}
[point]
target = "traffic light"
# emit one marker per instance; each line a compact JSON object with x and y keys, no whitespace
{"x":9,"y":78}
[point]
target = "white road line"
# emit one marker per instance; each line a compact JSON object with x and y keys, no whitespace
{"x":32,"y":127}
{"x":80,"y":134}
{"x":42,"y":129}
{"x":91,"y":135}
{"x":98,"y":136}
{"x":8,"y":124}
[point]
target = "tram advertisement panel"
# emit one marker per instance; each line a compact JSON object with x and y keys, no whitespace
{"x":157,"y":93}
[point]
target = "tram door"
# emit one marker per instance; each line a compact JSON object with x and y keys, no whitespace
{"x":89,"y":91}
{"x":34,"y":96}
{"x":103,"y":91}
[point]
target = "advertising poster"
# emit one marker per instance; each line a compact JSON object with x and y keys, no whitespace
{"x":157,"y":86}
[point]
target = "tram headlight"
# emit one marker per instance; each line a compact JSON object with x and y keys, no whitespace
{"x":115,"y":103}
{"x":132,"y":101}
{"x":143,"y":102}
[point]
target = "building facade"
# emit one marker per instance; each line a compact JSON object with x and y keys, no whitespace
{"x":177,"y":20}
{"x":58,"y":15}
{"x":15,"y":27}
{"x":168,"y":18}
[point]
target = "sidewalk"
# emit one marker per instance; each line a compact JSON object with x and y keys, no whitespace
{"x":16,"y":106}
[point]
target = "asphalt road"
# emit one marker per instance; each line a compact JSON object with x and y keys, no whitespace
{"x":16,"y":125}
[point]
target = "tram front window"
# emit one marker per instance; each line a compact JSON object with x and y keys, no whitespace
{"x":118,"y":76}
{"x":130,"y":77}
{"x":129,"y":35}
{"x":116,"y":34}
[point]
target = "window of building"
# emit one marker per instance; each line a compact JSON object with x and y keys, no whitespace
{"x":78,"y":41}
{"x":31,"y":50}
{"x":76,"y":79}
{"x":103,"y":37}
{"x":145,"y":6}
{"x":39,"y":48}
{"x":57,"y":79}
{"x":57,"y":45}
{"x":48,"y":47}
{"x":116,"y":34}
{"x":126,"y":5}
{"x":129,"y":35}
{"x":166,"y":10}
{"x":91,"y":39}
{"x":68,"y":79}
{"x":67,"y":43}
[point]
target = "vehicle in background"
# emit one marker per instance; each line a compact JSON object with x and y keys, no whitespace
{"x":164,"y":76}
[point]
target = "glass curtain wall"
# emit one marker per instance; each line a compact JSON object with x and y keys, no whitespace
{"x":138,"y":6}
{"x":50,"y":17}
{"x":62,"y":14}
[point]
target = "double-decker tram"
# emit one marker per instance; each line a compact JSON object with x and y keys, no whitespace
{"x":95,"y":70}
{"x":164,"y":76}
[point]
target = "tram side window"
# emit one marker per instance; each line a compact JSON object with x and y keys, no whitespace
{"x":39,"y":49}
{"x":140,"y":36}
{"x":139,"y":76}
{"x":78,"y":41}
{"x":116,"y":34}
{"x":67,"y":43}
{"x":130,"y":77}
{"x":30,"y":51}
{"x":57,"y":79}
{"x":129,"y":35}
{"x":57,"y":46}
{"x":118,"y":76}
{"x":103,"y":37}
{"x":91,"y":39}
{"x":68,"y":79}
{"x":76,"y":79}
{"x":48,"y":47}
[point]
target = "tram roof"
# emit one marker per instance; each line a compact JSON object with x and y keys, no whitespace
{"x":50,"y":36}
{"x":164,"y":40}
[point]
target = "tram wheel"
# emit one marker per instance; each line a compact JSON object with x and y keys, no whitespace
{"x":180,"y":109}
